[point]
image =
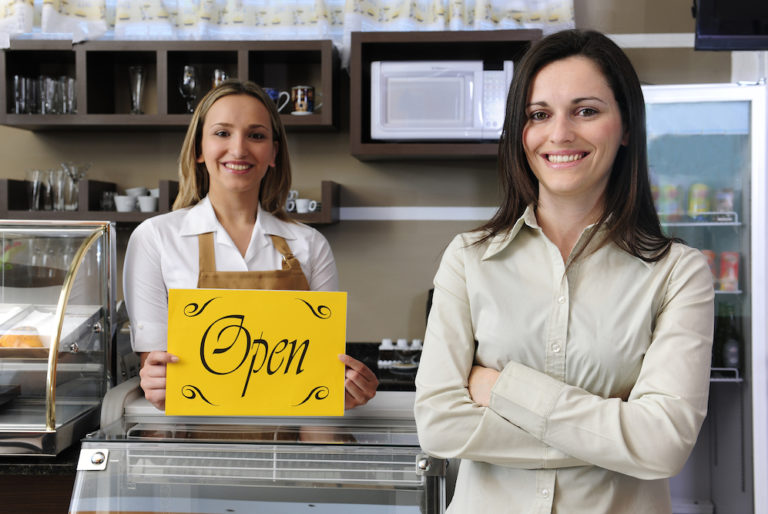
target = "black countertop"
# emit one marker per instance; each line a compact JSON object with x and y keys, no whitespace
{"x":65,"y":463}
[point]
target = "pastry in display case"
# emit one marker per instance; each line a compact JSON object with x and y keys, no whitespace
{"x":57,"y":286}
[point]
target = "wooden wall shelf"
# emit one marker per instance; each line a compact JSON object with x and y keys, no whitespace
{"x":100,"y":70}
{"x":14,"y":203}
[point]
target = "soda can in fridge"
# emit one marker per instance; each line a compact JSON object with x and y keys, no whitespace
{"x":729,"y":271}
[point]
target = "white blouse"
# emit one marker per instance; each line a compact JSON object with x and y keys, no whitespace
{"x":162,"y":254}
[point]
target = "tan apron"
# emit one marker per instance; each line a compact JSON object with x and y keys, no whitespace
{"x":289,"y":278}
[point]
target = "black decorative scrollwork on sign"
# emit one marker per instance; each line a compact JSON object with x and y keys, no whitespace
{"x":319,"y":392}
{"x":322,"y":312}
{"x":191,"y":310}
{"x":190,"y":392}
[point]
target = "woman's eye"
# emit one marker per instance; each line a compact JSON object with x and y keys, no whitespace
{"x":258,"y":135}
{"x":537,"y":116}
{"x":587,"y":111}
{"x":221,"y":133}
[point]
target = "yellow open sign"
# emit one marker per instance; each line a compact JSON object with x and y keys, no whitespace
{"x":256,"y":352}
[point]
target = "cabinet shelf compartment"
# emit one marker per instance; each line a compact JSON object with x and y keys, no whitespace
{"x":282,"y":65}
{"x":492,"y":47}
{"x":204,"y":62}
{"x":108,"y":81}
{"x":329,"y":201}
{"x":33,"y":64}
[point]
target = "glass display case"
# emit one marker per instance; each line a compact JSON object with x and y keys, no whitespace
{"x":57,"y":286}
{"x":367,"y":461}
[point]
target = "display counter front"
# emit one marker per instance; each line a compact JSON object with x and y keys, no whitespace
{"x":56,"y":306}
{"x":367,"y":461}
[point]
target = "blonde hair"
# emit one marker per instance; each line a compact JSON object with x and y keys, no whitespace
{"x":193,"y":175}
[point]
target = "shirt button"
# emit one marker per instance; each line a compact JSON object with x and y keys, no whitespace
{"x":561,"y":299}
{"x":545,"y":493}
{"x":555,"y":347}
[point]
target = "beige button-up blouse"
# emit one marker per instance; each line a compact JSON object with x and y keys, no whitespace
{"x":604,"y":373}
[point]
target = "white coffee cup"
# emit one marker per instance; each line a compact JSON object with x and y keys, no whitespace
{"x":125,"y":203}
{"x":136,"y":191}
{"x":290,"y":205}
{"x":305,"y":205}
{"x":147,"y":203}
{"x":293,"y":194}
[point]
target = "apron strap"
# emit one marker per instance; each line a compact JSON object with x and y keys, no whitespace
{"x":289,"y":261}
{"x":282,"y":246}
{"x":207,"y":254}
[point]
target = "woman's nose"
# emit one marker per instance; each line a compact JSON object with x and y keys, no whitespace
{"x":562,"y":130}
{"x":237,"y":146}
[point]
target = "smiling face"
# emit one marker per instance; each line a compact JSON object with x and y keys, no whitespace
{"x":237,"y":145}
{"x":573,"y":130}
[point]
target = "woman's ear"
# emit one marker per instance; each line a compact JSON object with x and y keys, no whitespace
{"x":200,"y":158}
{"x":625,"y":139}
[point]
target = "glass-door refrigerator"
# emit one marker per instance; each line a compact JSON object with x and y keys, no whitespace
{"x":707,"y":154}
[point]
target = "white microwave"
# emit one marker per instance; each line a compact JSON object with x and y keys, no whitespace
{"x":437,"y":100}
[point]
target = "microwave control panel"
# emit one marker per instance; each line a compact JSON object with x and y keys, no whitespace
{"x":495,"y":88}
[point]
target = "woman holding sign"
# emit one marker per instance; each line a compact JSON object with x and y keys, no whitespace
{"x":228,"y":230}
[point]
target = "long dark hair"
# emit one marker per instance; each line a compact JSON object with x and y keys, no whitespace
{"x":629,"y":213}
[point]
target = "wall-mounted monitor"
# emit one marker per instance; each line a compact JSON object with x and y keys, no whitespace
{"x":731,"y":24}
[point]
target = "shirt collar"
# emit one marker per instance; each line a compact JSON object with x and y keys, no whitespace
{"x":201,"y":218}
{"x":501,"y":240}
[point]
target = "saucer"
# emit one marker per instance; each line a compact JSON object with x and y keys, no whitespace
{"x":301,"y":113}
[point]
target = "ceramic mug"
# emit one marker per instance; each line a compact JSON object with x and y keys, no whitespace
{"x":147,"y":203}
{"x":125,"y":203}
{"x":290,"y":205}
{"x":305,"y":205}
{"x":303,"y":98}
{"x":277,"y":97}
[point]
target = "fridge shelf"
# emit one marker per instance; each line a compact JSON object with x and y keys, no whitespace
{"x":725,"y":375}
{"x":737,"y":291}
{"x":708,"y":219}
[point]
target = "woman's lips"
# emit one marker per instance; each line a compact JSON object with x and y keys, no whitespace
{"x":563,"y":158}
{"x":237,"y":167}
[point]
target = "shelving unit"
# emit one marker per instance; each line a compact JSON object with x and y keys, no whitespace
{"x":14,"y":203}
{"x":100,"y":69}
{"x":492,"y":47}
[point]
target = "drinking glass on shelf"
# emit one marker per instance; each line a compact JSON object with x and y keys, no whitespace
{"x":19,"y":94}
{"x":34,"y":185}
{"x":137,"y":88}
{"x":219,"y":76}
{"x":46,"y":190}
{"x":189,"y":87}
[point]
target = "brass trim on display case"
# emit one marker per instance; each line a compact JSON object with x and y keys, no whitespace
{"x":53,"y":351}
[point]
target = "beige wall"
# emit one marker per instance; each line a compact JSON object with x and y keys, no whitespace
{"x":387,"y":267}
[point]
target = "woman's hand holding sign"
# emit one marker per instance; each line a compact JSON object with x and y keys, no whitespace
{"x":153,"y":368}
{"x":359,"y":382}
